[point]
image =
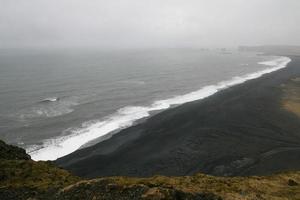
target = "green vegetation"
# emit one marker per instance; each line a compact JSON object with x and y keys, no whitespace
{"x":22,"y":178}
{"x":278,"y":186}
{"x":31,"y":174}
{"x":10,"y":152}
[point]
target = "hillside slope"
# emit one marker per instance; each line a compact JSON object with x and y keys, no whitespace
{"x":26,"y":179}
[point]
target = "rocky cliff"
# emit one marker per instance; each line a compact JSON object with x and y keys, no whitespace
{"x":23,"y":178}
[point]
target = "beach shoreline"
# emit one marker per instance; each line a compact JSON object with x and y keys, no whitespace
{"x":97,"y":131}
{"x":243,"y":130}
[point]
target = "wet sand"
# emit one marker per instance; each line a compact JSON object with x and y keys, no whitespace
{"x":248,"y":129}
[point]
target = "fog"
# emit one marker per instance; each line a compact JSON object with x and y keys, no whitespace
{"x":148,"y":23}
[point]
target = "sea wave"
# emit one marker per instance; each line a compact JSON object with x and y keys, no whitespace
{"x":50,"y":99}
{"x":125,"y":117}
{"x":49,"y":107}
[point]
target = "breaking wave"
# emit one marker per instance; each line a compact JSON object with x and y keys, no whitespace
{"x":125,"y":117}
{"x":49,"y":107}
{"x":50,"y":99}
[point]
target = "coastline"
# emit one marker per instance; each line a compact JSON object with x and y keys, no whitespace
{"x":242,"y":130}
{"x":126,"y":117}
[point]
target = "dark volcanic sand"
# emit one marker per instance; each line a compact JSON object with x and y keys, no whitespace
{"x":243,"y":130}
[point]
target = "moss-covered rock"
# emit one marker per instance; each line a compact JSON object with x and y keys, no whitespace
{"x":26,"y":179}
{"x":110,"y":189}
{"x":23,"y":178}
{"x":31,"y":174}
{"x":10,"y":152}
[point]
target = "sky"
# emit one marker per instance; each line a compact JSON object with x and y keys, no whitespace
{"x":148,"y":23}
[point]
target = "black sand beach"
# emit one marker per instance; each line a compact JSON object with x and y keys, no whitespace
{"x":248,"y":129}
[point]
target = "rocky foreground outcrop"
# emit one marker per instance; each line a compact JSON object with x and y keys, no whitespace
{"x":23,"y":178}
{"x":10,"y":152}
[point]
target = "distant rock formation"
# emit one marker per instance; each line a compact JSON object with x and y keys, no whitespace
{"x":273,"y":49}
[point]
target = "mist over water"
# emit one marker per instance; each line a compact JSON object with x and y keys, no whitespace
{"x":142,"y":24}
{"x":53,"y":102}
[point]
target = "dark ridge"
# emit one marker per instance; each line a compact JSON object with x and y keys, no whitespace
{"x":10,"y":152}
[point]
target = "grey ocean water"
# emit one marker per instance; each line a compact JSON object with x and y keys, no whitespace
{"x":48,"y":97}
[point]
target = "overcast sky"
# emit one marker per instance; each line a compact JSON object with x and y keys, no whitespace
{"x":148,"y":23}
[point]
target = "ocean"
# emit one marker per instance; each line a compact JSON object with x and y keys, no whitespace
{"x":54,"y":102}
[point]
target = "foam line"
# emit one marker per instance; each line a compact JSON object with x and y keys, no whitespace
{"x":55,"y":148}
